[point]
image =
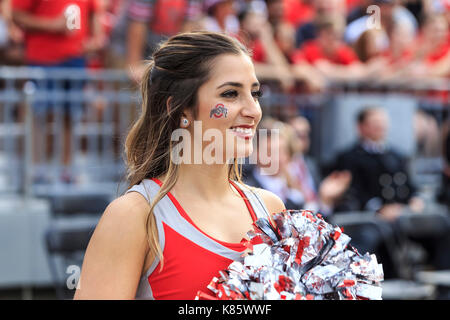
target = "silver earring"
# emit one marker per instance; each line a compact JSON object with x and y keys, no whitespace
{"x":185,"y":122}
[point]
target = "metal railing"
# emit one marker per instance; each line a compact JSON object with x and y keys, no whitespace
{"x":62,"y":130}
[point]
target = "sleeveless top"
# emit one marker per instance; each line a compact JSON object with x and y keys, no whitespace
{"x":191,"y":257}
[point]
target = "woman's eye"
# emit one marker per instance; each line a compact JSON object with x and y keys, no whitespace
{"x":233,"y":94}
{"x":229,"y":94}
{"x":257,"y":94}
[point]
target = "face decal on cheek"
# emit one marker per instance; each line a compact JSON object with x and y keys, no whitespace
{"x":218,"y":111}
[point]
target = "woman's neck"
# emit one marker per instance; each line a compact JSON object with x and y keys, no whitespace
{"x":206,"y":182}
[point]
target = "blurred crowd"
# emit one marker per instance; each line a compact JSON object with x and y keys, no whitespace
{"x":300,"y":44}
{"x":369,"y":177}
{"x":297,"y":46}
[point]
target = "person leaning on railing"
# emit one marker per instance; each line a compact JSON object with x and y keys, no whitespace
{"x":58,"y":32}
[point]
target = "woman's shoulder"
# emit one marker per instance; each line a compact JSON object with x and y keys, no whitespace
{"x":118,"y":245}
{"x":130,"y":208}
{"x":273,"y":202}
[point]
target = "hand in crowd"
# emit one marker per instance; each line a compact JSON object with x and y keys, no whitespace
{"x":416,"y":204}
{"x":376,"y":67}
{"x":94,"y":44}
{"x":16,"y":35}
{"x":417,"y":70}
{"x":390,"y":212}
{"x":314,"y":80}
{"x":334,"y":186}
{"x":59,"y":25}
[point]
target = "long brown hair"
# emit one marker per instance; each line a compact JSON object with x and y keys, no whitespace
{"x":169,"y":86}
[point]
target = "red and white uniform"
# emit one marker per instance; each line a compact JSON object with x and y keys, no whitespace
{"x":191,"y":257}
{"x":52,"y":48}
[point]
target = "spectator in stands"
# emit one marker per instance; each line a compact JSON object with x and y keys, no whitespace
{"x":257,"y":34}
{"x":322,"y":8}
{"x":11,"y":37}
{"x":433,"y":46}
{"x":308,"y":78}
{"x":401,"y":47}
{"x":298,"y":12}
{"x":380,"y":183}
{"x":329,"y":54}
{"x":116,"y":23}
{"x":58,"y":34}
{"x":389,"y":14}
{"x":150,"y":21}
{"x":277,"y":148}
{"x":380,"y":174}
{"x":305,"y":173}
{"x":275,"y":12}
{"x":327,"y":45}
{"x":112,"y":20}
{"x":396,"y":54}
{"x":221,"y":17}
{"x":271,"y":52}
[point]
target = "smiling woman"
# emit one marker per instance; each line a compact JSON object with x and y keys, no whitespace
{"x":178,"y":224}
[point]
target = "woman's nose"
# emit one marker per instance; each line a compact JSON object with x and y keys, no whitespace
{"x":251,"y":108}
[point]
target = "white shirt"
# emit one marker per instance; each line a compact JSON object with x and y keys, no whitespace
{"x":231,"y":24}
{"x":401,"y":16}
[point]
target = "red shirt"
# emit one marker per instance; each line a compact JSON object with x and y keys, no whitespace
{"x":312,"y":52}
{"x":52,"y":48}
{"x":351,"y":4}
{"x":259,"y":54}
{"x":296,"y":12}
{"x":170,"y":16}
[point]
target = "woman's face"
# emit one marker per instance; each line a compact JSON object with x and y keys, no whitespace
{"x":228,"y":105}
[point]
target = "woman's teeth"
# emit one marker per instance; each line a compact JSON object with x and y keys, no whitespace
{"x":242,"y":130}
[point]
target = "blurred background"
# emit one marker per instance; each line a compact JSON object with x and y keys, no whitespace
{"x":359,"y":90}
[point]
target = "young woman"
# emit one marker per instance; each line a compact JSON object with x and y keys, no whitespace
{"x":180,"y":223}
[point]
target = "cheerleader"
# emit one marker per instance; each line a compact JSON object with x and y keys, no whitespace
{"x":178,"y":224}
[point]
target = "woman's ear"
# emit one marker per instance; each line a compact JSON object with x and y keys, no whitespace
{"x":187,"y":113}
{"x":168,"y":104}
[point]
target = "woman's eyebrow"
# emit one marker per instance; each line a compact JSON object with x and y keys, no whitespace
{"x":237,"y":84}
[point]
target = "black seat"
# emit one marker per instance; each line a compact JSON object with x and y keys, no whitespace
{"x":66,"y":241}
{"x":70,"y":204}
{"x":398,"y":247}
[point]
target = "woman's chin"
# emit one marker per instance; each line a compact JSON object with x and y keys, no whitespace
{"x":242,"y":152}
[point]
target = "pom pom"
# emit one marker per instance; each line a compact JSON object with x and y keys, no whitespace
{"x":298,"y":257}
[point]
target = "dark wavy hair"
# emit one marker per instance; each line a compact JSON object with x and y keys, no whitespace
{"x":175,"y":72}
